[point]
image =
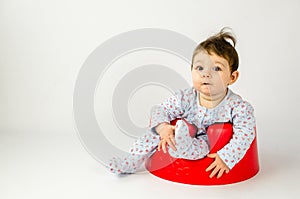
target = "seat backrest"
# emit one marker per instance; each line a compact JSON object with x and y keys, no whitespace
{"x":219,"y":135}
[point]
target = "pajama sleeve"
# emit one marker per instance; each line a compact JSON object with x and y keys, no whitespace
{"x":167,"y":111}
{"x":243,"y":134}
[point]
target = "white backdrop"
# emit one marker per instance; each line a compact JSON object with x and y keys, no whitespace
{"x":43,"y":45}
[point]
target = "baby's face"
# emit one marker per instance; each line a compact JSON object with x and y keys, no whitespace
{"x":211,"y":74}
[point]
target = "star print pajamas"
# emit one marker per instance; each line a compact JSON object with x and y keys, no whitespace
{"x":185,"y":104}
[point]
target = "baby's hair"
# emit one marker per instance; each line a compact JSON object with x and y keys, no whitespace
{"x":223,"y":45}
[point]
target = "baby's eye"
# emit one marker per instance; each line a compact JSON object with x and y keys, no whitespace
{"x":199,"y":68}
{"x":217,"y":68}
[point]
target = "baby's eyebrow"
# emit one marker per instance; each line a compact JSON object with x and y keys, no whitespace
{"x":197,"y":62}
{"x":222,"y":64}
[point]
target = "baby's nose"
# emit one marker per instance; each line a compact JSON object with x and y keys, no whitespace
{"x":206,"y":74}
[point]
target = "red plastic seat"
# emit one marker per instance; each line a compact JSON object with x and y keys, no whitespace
{"x":193,"y":171}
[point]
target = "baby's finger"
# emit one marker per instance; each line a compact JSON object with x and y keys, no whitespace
{"x":212,"y":155}
{"x":220,"y":173}
{"x":159,"y":146}
{"x":213,"y":165}
{"x":213,"y":173}
{"x":173,"y":140}
{"x":164,"y":146}
{"x":171,"y":144}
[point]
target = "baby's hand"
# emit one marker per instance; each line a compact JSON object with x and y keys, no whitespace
{"x":218,"y":166}
{"x":166,"y":133}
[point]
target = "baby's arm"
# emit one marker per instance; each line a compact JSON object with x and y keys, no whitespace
{"x":162,"y":114}
{"x":167,"y":111}
{"x":243,"y":134}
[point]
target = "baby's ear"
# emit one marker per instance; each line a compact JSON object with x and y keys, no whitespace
{"x":234,"y":77}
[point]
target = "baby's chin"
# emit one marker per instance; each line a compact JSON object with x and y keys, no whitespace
{"x":205,"y":90}
{"x":208,"y":92}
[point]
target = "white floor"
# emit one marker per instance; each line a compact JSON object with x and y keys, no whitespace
{"x":55,"y":165}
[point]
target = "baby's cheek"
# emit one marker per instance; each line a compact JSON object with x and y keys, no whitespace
{"x":196,"y":84}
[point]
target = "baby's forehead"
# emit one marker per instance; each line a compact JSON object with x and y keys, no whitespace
{"x":209,"y":58}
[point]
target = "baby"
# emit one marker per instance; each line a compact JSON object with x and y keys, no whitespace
{"x":214,"y":67}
